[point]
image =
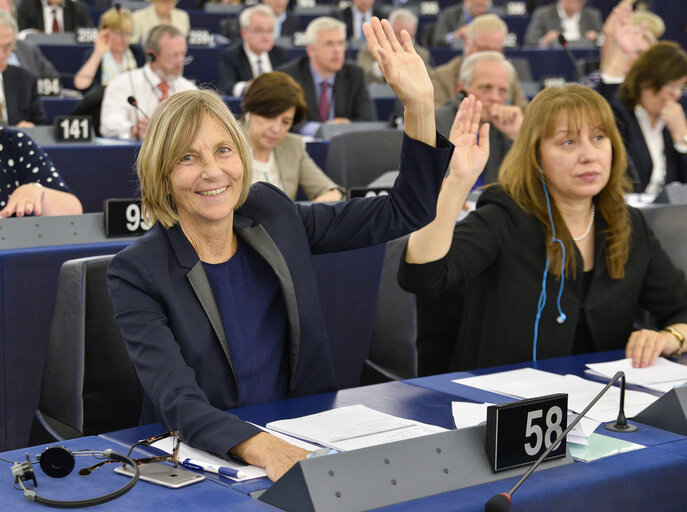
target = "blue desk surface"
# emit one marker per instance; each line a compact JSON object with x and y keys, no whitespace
{"x":636,"y":480}
{"x":143,"y":496}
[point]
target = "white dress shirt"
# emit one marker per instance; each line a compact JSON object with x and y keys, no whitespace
{"x":570,"y":26}
{"x":359,"y":18}
{"x":48,"y":17}
{"x":117,"y":116}
{"x":265,"y":66}
{"x":653,"y":136}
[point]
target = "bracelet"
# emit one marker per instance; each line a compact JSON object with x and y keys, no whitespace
{"x":680,"y":339}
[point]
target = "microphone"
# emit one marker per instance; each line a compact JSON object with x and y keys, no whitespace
{"x":564,"y":43}
{"x":502,"y":502}
{"x":132,"y":101}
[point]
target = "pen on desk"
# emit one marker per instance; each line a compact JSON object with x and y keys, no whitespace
{"x":212,"y":468}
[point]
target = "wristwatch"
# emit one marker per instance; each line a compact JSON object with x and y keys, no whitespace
{"x":680,"y":339}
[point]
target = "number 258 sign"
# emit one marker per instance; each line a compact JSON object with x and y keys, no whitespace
{"x":519,"y":432}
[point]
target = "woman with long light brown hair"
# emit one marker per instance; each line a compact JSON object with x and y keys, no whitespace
{"x":552,"y":262}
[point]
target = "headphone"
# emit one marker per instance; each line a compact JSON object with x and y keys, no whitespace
{"x":57,"y":462}
{"x":562,"y":317}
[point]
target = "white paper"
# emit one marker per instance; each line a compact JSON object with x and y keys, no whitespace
{"x":531,"y":383}
{"x":469,"y":414}
{"x":352,"y":427}
{"x":662,"y":376}
{"x":186,"y":452}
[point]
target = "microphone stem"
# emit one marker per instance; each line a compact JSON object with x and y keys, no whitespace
{"x":574,"y":422}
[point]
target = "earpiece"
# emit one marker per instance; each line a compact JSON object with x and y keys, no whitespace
{"x":562,"y":317}
{"x":247,"y":117}
{"x":150,"y":56}
{"x":57,"y":462}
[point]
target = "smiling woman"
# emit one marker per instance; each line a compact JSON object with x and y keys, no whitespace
{"x":218,"y":301}
{"x":552,"y":262}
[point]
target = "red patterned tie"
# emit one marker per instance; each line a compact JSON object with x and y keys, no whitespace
{"x":55,"y":23}
{"x":324,"y":102}
{"x":164,"y":88}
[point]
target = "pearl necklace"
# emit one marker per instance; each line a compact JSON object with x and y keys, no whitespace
{"x":589,"y":226}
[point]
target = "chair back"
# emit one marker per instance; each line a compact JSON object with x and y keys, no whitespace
{"x":89,"y":384}
{"x":354,"y":159}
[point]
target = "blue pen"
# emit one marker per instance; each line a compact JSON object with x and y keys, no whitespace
{"x":212,"y":468}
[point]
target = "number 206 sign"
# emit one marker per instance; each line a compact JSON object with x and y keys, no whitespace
{"x":519,"y":432}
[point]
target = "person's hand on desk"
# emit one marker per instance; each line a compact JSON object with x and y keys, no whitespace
{"x":269,"y":452}
{"x":139,"y":129}
{"x":25,"y":200}
{"x":340,"y":120}
{"x":646,"y":345}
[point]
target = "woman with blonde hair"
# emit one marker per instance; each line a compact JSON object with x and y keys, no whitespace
{"x":552,"y":262}
{"x":218,"y":302}
{"x":111,"y":54}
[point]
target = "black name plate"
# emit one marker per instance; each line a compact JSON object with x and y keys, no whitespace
{"x":73,"y":128}
{"x":123,"y":217}
{"x":519,"y":432}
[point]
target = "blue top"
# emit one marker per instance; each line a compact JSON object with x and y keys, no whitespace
{"x":253,"y":312}
{"x":22,"y":161}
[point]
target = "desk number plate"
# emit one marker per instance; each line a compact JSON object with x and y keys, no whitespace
{"x":123,"y":217}
{"x":519,"y":432}
{"x":73,"y":128}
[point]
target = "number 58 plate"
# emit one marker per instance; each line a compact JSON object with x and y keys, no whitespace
{"x":519,"y":432}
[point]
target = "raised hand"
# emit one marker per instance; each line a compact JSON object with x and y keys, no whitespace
{"x":471,"y":140}
{"x":401,"y":66}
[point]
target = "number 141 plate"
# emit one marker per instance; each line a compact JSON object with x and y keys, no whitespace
{"x":519,"y":432}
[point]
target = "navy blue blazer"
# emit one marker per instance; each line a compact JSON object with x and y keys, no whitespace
{"x":170,"y":322}
{"x":637,"y":150}
{"x":21,"y":94}
{"x":234,"y":66}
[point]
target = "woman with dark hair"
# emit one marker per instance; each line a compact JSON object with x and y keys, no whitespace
{"x":552,"y":262}
{"x":271,"y":105}
{"x":650,"y":118}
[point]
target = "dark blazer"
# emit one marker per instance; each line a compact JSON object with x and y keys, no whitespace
{"x":496,"y":261}
{"x":449,"y":19}
{"x":170,"y":322}
{"x":346,"y":15}
{"x":30,"y":15}
{"x":351,"y":97}
{"x":234,"y":66}
{"x":637,"y":150}
{"x":499,"y":144}
{"x":546,"y":18}
{"x":31,"y":59}
{"x":21,"y":94}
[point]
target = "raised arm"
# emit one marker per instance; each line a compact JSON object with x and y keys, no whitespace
{"x":407,"y":75}
{"x":469,"y":158}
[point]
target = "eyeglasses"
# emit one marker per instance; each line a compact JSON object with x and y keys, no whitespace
{"x":677,"y":86}
{"x":171,"y":457}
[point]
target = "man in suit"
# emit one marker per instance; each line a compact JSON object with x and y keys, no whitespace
{"x":453,"y":21}
{"x":26,"y":54}
{"x":355,"y":15}
{"x":21,"y":105}
{"x":256,"y":55}
{"x":54,"y":16}
{"x":489,"y":77}
{"x":485,"y":33}
{"x":569,"y":17}
{"x":334,"y":89}
{"x":286,"y":23}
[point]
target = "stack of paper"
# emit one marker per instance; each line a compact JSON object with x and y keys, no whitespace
{"x":530,"y":383}
{"x":352,"y":427}
{"x":661,"y":376}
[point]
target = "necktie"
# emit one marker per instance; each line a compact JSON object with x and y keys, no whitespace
{"x":55,"y":23}
{"x":324,"y":102}
{"x":164,"y":89}
{"x":259,"y":66}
